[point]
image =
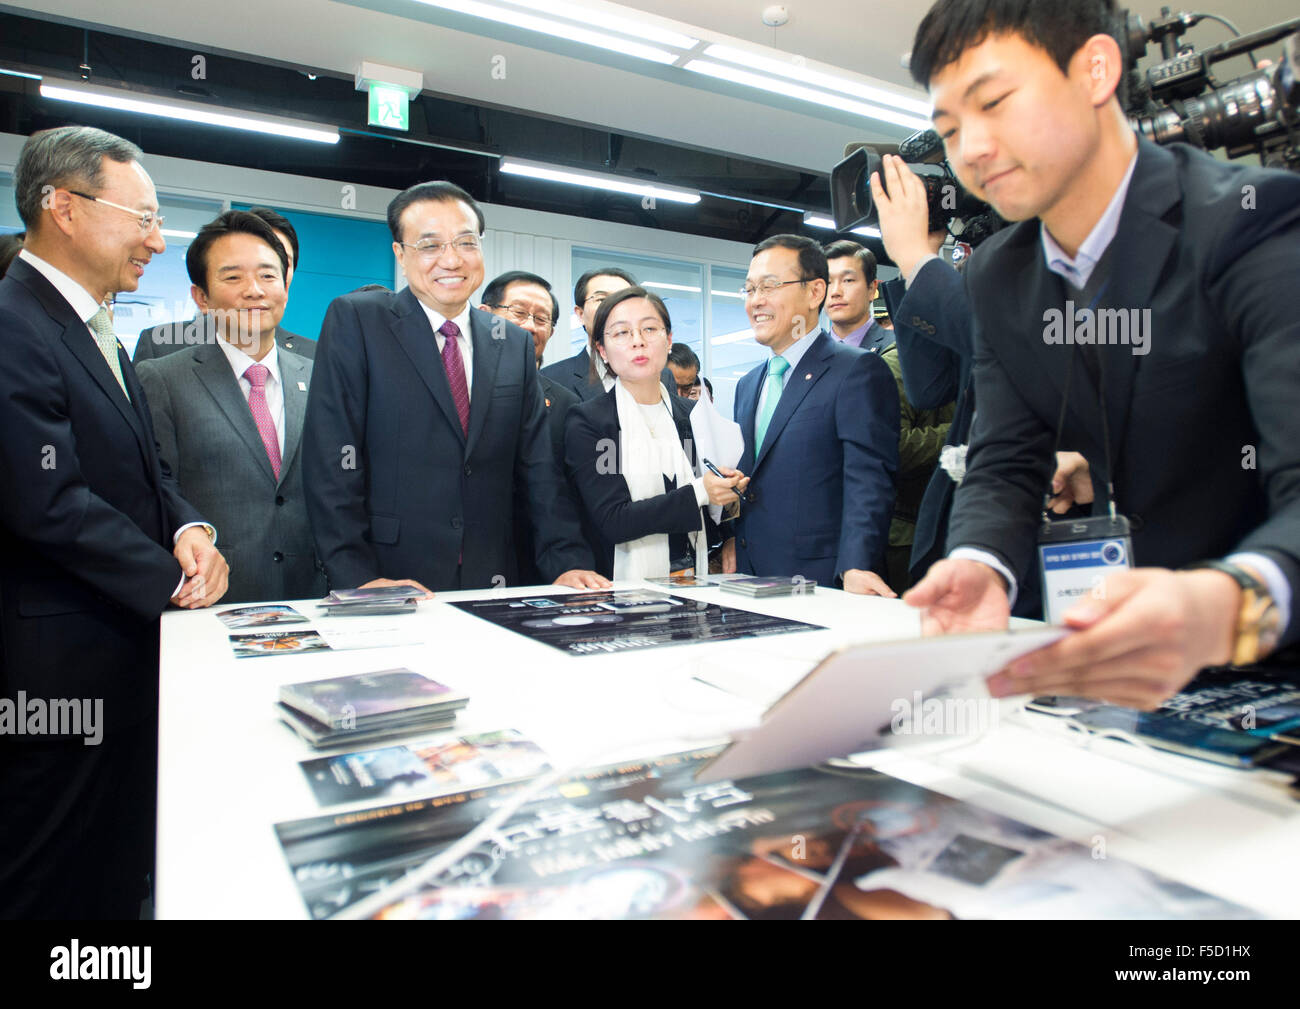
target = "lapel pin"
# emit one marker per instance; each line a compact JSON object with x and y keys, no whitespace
{"x":302,"y":386}
{"x":808,"y":376}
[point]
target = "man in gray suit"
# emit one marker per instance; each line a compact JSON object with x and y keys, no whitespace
{"x":228,"y":415}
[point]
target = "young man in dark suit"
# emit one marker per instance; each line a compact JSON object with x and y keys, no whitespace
{"x":424,"y":417}
{"x":229,"y":416}
{"x":1199,"y":256}
{"x":820,"y":422}
{"x":95,"y":540}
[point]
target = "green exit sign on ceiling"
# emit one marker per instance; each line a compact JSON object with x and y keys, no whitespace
{"x":390,"y":106}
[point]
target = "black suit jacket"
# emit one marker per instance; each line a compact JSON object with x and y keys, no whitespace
{"x":822,"y":489}
{"x":557,"y":400}
{"x":87,"y":515}
{"x":574,"y":373}
{"x":934,"y":331}
{"x":394,"y":487}
{"x":614,"y":517}
{"x":159,"y":341}
{"x":1204,"y":429}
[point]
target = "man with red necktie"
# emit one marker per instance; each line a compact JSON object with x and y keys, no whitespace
{"x":423,"y":417}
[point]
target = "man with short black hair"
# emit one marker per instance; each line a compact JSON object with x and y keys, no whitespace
{"x":820,"y":422}
{"x":424,"y":418}
{"x":574,"y":373}
{"x":169,"y":337}
{"x":685,"y":367}
{"x":229,"y":415}
{"x":1201,"y":443}
{"x":95,"y":538}
{"x":528,"y":301}
{"x":853,"y":287}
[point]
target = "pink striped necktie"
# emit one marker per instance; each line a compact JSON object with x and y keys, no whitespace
{"x":454,"y":365}
{"x":257,"y":375}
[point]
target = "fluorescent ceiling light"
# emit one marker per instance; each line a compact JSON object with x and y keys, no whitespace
{"x":814,"y":220}
{"x":595,"y":180}
{"x":736,"y":337}
{"x":795,"y":72}
{"x":669,"y":287}
{"x":19,"y":73}
{"x":624,"y":26}
{"x":727,"y":294}
{"x":190,"y":112}
{"x":793,"y":90}
{"x":169,"y":233}
{"x":556,"y":29}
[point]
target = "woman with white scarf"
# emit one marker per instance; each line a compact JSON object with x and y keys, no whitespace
{"x":630,"y":453}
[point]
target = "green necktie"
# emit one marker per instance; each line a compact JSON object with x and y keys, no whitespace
{"x":102,"y":325}
{"x":776,"y":369}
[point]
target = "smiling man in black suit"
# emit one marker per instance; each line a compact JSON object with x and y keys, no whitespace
{"x":425,"y":416}
{"x":95,"y":540}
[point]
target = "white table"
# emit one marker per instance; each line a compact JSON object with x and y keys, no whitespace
{"x":228,"y":770}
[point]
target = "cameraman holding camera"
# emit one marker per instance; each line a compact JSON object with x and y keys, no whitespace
{"x":1191,"y":417}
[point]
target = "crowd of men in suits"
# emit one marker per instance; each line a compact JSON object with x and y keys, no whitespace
{"x":417,"y":442}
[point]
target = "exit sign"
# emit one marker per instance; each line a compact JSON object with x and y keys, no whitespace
{"x":390,"y":106}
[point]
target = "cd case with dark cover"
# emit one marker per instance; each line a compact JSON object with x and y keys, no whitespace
{"x":352,"y":701}
{"x":644,"y":839}
{"x":398,"y":726}
{"x":438,"y":765}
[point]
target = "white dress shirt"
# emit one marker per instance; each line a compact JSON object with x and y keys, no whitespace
{"x":274,"y":390}
{"x":463,"y":341}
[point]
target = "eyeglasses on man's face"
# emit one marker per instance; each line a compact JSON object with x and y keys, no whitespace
{"x":768,"y":286}
{"x":519,"y":314}
{"x":623,"y":334}
{"x":429,"y":249}
{"x":146,"y":219}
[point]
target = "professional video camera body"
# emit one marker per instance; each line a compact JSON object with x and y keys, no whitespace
{"x":1177,"y":100}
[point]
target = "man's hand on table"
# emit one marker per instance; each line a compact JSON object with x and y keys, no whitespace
{"x":960,"y":595}
{"x":579,"y":579}
{"x":867,"y":583}
{"x":205,"y":569}
{"x":382,"y":583}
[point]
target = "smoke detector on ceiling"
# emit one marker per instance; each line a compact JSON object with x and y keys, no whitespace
{"x":775,"y":16}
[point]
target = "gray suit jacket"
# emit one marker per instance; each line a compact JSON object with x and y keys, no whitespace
{"x":207,"y":436}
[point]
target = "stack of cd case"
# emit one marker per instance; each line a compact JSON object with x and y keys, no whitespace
{"x":367,"y":707}
{"x":758,"y":588}
{"x":368,"y":602}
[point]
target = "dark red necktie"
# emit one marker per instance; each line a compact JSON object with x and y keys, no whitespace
{"x":454,"y":365}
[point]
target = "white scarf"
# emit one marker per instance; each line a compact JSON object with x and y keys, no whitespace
{"x":643,"y":460}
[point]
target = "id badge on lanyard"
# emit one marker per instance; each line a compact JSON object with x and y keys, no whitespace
{"x":1075,"y":557}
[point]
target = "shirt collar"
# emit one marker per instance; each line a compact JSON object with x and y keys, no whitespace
{"x":436,"y":319}
{"x":241,"y":362}
{"x":797,"y":349}
{"x":81,"y":300}
{"x":1078,"y":270}
{"x":857,"y":337}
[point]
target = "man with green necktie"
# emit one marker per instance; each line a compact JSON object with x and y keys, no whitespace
{"x":820,"y":421}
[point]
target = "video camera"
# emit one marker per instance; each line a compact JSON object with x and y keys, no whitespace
{"x":951,"y":207}
{"x":1179,"y":99}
